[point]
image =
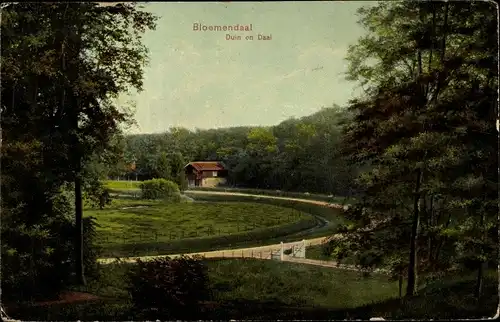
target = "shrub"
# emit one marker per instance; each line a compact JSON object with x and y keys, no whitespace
{"x":36,"y":259}
{"x":160,"y":189}
{"x":96,"y":194}
{"x":91,"y":250}
{"x":171,"y":287}
{"x":182,"y":181}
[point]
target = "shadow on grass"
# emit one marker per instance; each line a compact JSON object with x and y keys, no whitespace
{"x":236,"y":296}
{"x":424,"y":306}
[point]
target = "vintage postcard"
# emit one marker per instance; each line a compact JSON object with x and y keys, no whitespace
{"x":249,"y":160}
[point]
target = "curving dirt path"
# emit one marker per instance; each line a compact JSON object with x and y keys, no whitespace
{"x":264,"y":252}
{"x":315,"y":202}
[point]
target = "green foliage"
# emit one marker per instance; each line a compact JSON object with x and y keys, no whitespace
{"x":174,"y":287}
{"x":91,"y":248}
{"x":295,"y":155}
{"x":163,"y":167}
{"x":63,"y":65}
{"x":424,"y":133}
{"x":97,"y":195}
{"x":182,"y":181}
{"x":160,"y":189}
{"x":37,"y":261}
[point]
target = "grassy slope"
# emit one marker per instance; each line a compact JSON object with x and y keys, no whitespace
{"x":187,"y":219}
{"x":190,"y":227}
{"x":332,"y":215}
{"x":253,"y":289}
{"x":121,"y":185}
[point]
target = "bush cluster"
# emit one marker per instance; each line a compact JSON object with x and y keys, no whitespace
{"x":38,"y":260}
{"x":160,"y":189}
{"x":169,"y":287}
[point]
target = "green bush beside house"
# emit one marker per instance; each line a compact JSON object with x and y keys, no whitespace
{"x":160,"y":189}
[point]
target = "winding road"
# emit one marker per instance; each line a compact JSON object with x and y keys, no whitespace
{"x":264,"y":252}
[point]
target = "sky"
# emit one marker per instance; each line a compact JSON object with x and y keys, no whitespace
{"x":199,"y":79}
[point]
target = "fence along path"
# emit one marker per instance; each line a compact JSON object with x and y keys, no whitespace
{"x":262,"y":252}
{"x":315,"y":202}
{"x":270,"y":252}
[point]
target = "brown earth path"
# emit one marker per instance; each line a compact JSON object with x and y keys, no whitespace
{"x":263,"y":252}
{"x":315,"y":202}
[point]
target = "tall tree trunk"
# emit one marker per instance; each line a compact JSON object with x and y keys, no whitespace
{"x":412,"y":260}
{"x":78,"y":157}
{"x":430,"y":225}
{"x":441,"y":241}
{"x":400,"y":282}
{"x":443,"y":50}
{"x":79,"y":257}
{"x":480,"y":270}
{"x":479,"y":281}
{"x":429,"y":66}
{"x":80,"y":269}
{"x":412,"y":266}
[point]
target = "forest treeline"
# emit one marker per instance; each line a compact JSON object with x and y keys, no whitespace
{"x":299,"y":154}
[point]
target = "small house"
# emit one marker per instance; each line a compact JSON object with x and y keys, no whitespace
{"x":206,"y":173}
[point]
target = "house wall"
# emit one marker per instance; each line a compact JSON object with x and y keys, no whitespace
{"x":213,"y":182}
{"x":207,"y":178}
{"x":209,"y":174}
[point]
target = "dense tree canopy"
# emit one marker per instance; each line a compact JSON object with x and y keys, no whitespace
{"x":62,"y":66}
{"x":297,"y":154}
{"x":426,"y":127}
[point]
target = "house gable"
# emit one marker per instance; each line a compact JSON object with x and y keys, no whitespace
{"x":205,"y":173}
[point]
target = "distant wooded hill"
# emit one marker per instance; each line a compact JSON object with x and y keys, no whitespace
{"x":298,"y":154}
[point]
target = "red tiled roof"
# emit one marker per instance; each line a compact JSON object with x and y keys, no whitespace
{"x":207,"y":165}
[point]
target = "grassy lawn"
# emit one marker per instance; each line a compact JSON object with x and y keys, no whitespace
{"x":139,"y":227}
{"x":121,"y":185}
{"x":260,"y":289}
{"x":333,"y":216}
{"x":292,"y":284}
